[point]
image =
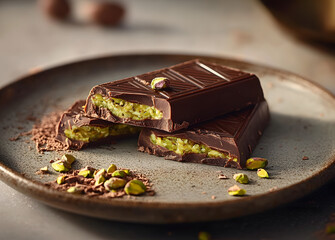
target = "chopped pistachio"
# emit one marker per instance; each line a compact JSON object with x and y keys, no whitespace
{"x":87,"y":173}
{"x":256,"y":162}
{"x":125,"y":109}
{"x":236,"y":191}
{"x":100,"y":176}
{"x":60,"y":166}
{"x":61,"y":179}
{"x":262,"y":173}
{"x":204,"y":236}
{"x":330,"y":228}
{"x":101,"y":171}
{"x":241,"y":178}
{"x":93,"y":133}
{"x":99,"y":180}
{"x":119,"y":173}
{"x":182,"y":146}
{"x":68,"y":158}
{"x":160,"y":83}
{"x":74,"y":190}
{"x":114,"y":183}
{"x":112,"y":168}
{"x":126,"y":171}
{"x":135,"y":187}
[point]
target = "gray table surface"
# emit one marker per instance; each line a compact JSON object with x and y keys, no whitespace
{"x":238,"y":29}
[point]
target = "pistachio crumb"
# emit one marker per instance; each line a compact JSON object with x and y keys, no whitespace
{"x":262,"y":173}
{"x":204,"y":236}
{"x":330,"y":228}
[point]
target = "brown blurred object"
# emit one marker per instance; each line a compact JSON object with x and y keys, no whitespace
{"x":56,"y":9}
{"x":312,"y":19}
{"x":105,"y":13}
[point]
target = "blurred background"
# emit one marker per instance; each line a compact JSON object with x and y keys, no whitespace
{"x":293,"y":35}
{"x":32,"y":38}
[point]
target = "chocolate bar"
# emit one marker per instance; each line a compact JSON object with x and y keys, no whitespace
{"x":197,"y":91}
{"x":78,"y":130}
{"x":225,"y":141}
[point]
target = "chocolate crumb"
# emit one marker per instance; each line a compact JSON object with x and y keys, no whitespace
{"x":305,"y":158}
{"x":31,"y":118}
{"x":17,"y":137}
{"x":44,"y":132}
{"x":42,"y":171}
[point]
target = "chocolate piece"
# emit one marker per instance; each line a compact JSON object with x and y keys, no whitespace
{"x":198,"y":91}
{"x":75,"y":117}
{"x":235,"y":134}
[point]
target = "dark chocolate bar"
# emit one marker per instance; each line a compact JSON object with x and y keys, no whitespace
{"x":78,"y":130}
{"x":198,"y":91}
{"x":225,"y":141}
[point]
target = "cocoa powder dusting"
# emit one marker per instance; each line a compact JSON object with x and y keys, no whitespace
{"x":43,"y":134}
{"x":87,"y":185}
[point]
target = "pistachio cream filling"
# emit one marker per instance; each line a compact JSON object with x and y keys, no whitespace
{"x":93,"y":133}
{"x":125,"y":109}
{"x":182,"y":146}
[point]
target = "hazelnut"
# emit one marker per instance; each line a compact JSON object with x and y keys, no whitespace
{"x":56,"y":9}
{"x":105,"y":13}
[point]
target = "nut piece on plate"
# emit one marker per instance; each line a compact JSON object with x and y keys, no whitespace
{"x":114,"y":183}
{"x":100,"y":176}
{"x":236,"y":191}
{"x":86,"y":172}
{"x":119,"y":173}
{"x":61,"y":179}
{"x":64,"y":164}
{"x":256,"y":162}
{"x":112,"y":168}
{"x":262,"y":173}
{"x":135,"y":187}
{"x":105,"y":13}
{"x":241,"y":178}
{"x":56,"y":9}
{"x":74,"y":190}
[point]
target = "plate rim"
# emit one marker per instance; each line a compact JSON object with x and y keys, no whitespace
{"x":39,"y":191}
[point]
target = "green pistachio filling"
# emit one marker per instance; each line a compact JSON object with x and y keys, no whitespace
{"x":182,"y":146}
{"x":92,"y":133}
{"x":125,"y":109}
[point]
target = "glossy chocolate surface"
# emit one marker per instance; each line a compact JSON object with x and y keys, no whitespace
{"x":235,"y":133}
{"x":198,"y":91}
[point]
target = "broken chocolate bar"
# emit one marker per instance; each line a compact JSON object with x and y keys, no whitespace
{"x":225,"y":141}
{"x":78,"y":130}
{"x":197,"y":91}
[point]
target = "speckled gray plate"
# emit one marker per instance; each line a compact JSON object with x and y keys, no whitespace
{"x":302,"y":124}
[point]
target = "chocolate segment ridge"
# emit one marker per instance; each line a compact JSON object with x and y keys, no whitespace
{"x":235,"y":135}
{"x":75,"y":117}
{"x":198,"y":91}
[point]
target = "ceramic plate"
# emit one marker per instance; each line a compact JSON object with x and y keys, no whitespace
{"x":302,"y":124}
